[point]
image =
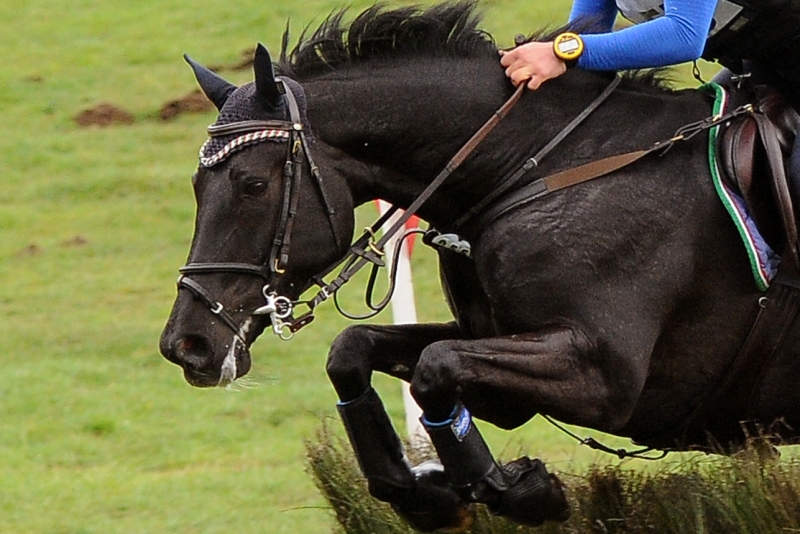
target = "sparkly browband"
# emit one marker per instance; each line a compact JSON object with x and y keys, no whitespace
{"x":240,"y":142}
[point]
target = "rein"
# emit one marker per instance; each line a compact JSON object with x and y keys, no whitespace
{"x":534,"y":161}
{"x":366,"y":250}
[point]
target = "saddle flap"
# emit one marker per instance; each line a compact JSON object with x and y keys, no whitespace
{"x":753,"y":154}
{"x":742,"y":157}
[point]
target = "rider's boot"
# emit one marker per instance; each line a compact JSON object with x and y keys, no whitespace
{"x":522,"y":490}
{"x":426,"y":500}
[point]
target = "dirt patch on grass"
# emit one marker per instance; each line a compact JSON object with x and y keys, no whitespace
{"x":31,"y":250}
{"x":194,"y":102}
{"x":245,"y":60}
{"x":104,"y":115}
{"x":75,"y":241}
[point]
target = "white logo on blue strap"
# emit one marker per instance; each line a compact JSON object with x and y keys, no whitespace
{"x":461,"y":424}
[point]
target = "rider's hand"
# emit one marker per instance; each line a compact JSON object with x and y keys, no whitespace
{"x":532,"y":62}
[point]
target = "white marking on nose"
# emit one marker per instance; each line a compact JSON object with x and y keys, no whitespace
{"x":227,"y":373}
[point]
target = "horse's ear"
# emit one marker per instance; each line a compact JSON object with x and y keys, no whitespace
{"x":215,"y":87}
{"x":267,"y":88}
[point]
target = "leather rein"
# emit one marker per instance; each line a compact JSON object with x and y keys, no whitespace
{"x":366,"y":250}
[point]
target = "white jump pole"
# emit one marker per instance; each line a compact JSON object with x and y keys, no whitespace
{"x":404,"y":311}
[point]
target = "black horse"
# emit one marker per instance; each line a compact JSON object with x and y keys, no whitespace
{"x":619,"y":304}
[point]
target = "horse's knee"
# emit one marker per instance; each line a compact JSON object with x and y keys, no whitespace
{"x":348,"y":365}
{"x":435,"y":382}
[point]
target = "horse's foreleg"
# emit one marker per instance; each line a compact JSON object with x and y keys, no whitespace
{"x":391,"y":349}
{"x":424,"y":498}
{"x":507,"y":380}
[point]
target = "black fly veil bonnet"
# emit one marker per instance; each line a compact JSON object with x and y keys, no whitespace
{"x":255,"y":112}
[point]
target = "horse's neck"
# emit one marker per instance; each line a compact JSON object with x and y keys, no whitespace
{"x":409,"y":123}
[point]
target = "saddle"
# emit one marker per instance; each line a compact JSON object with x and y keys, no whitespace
{"x":753,"y":155}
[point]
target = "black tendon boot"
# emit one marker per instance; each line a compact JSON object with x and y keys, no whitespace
{"x":424,"y":500}
{"x":522,"y":490}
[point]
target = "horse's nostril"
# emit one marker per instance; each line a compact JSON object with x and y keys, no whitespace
{"x":192,"y":350}
{"x":187,"y":344}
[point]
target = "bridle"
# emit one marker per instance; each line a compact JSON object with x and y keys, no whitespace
{"x":298,"y":154}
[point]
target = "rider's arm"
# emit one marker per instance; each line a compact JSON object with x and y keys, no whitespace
{"x":678,"y":36}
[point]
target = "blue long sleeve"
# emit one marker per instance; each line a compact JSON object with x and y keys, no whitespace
{"x":680,"y":35}
{"x":604,"y":11}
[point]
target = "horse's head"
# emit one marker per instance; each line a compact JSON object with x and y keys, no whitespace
{"x":266,"y":224}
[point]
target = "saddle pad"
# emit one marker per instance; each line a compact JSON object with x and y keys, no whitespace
{"x":763,"y":260}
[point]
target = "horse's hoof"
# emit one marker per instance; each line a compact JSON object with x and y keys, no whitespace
{"x":433,"y":505}
{"x":533,"y":495}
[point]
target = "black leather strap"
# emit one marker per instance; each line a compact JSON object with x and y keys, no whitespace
{"x":214,"y":306}
{"x":248,"y":126}
{"x":206,"y":268}
{"x":534,"y":161}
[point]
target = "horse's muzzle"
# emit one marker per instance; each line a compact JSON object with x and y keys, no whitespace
{"x":202,"y":366}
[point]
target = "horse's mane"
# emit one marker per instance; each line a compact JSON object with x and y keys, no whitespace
{"x":445,"y":29}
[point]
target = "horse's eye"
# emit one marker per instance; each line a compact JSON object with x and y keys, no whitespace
{"x":255,"y":188}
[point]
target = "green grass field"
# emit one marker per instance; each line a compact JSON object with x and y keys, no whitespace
{"x":99,"y":434}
